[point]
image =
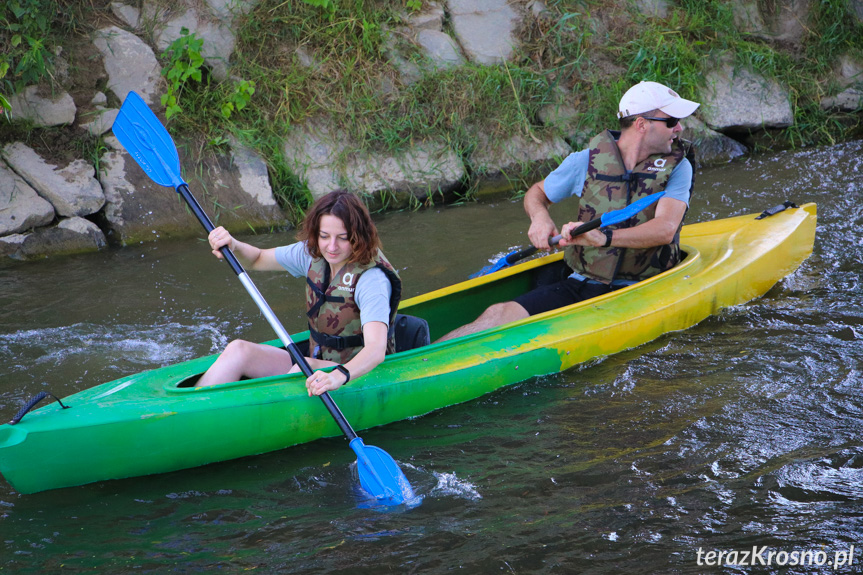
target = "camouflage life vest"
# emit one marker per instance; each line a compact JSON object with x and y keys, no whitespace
{"x":333,"y":313}
{"x":610,"y":187}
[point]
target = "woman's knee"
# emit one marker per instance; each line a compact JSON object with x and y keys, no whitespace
{"x":238,"y":348}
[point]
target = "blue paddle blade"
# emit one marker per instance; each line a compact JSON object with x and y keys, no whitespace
{"x":380,"y":475}
{"x":147,"y":140}
{"x":623,"y":214}
{"x":491,"y":268}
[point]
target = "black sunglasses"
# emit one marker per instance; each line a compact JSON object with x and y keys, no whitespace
{"x":670,"y":122}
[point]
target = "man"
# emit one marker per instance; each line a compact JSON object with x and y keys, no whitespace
{"x":617,"y":168}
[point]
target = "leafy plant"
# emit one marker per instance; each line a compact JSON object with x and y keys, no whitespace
{"x":5,"y":107}
{"x":185,"y":64}
{"x":26,"y":25}
{"x":328,"y":6}
{"x":239,"y":98}
{"x":415,"y":5}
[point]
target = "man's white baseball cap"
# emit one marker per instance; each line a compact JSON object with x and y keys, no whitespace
{"x":649,"y":96}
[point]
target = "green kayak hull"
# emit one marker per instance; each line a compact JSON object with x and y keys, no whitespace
{"x":153,"y":422}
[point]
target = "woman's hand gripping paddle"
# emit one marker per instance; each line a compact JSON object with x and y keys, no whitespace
{"x":607,"y":219}
{"x":147,"y":140}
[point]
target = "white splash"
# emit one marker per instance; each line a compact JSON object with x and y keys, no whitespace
{"x":449,"y":484}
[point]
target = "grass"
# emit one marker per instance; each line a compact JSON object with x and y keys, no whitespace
{"x":332,"y":58}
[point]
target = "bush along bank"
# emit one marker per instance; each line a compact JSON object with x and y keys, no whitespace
{"x":274,"y":103}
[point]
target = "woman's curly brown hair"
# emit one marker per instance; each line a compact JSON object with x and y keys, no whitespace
{"x":353,"y":213}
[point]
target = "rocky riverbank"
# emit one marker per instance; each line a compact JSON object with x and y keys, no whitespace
{"x":55,"y":204}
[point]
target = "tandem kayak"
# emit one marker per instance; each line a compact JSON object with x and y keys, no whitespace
{"x":154,"y":422}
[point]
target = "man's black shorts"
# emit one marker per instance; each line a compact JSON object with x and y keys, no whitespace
{"x":560,"y":294}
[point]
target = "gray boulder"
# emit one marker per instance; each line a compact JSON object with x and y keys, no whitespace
{"x":786,"y":23}
{"x":252,"y":175}
{"x":100,"y":120}
{"x":72,"y":190}
{"x":711,"y":147}
{"x":318,"y":153}
{"x":228,"y":10}
{"x":440,"y":48}
{"x":313,"y":151}
{"x":431,"y":17}
{"x":421,"y":171}
{"x":219,"y":39}
{"x":130,"y":64}
{"x":73,"y":235}
{"x":135,"y":207}
{"x":231,"y":189}
{"x":130,"y":15}
{"x":562,"y":114}
{"x":849,"y":76}
{"x":652,"y":8}
{"x":739,"y":99}
{"x":21,"y":208}
{"x":496,"y":163}
{"x":42,"y":107}
{"x":485,"y":29}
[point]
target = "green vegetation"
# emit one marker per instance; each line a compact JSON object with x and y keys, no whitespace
{"x":27,"y":30}
{"x":185,"y":62}
{"x":5,"y":107}
{"x":334,"y":58}
{"x":30,"y":32}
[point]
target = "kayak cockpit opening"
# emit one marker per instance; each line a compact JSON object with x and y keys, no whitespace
{"x":190,"y":381}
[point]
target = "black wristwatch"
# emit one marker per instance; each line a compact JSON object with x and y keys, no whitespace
{"x":346,"y":373}
{"x":608,"y":233}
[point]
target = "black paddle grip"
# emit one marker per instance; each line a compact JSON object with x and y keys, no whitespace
{"x":32,"y":403}
{"x":553,"y":241}
{"x":202,"y":216}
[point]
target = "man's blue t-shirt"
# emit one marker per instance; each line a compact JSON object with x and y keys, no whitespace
{"x":568,"y":179}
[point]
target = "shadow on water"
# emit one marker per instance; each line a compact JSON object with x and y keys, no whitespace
{"x":741,"y":432}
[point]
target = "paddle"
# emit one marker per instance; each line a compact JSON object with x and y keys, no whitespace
{"x":605,"y":220}
{"x":147,"y":140}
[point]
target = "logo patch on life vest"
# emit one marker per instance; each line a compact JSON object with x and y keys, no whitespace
{"x":658,"y":165}
{"x":347,"y":282}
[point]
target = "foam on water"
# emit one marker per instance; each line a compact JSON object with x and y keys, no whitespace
{"x":92,"y":353}
{"x":448,"y":484}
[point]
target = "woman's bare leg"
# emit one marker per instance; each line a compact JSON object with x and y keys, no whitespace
{"x":245,"y":359}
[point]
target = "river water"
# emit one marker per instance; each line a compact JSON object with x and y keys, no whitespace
{"x":742,"y":432}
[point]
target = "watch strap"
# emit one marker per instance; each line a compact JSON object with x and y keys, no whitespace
{"x":608,"y":233}
{"x":345,"y":371}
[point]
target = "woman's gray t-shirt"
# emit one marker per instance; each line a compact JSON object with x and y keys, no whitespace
{"x":373,"y":289}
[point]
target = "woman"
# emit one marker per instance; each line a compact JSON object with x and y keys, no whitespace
{"x":352,"y":293}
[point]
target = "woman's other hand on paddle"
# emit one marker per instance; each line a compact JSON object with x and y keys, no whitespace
{"x":594,"y":238}
{"x":321,"y":381}
{"x":219,"y":238}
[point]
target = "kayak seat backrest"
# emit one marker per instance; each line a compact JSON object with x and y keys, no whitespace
{"x":411,"y":332}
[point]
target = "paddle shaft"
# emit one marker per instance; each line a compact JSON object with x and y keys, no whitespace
{"x":265,"y":308}
{"x":526,"y":252}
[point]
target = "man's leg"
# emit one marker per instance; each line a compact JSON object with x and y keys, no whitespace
{"x":495,"y":315}
{"x":536,"y":301}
